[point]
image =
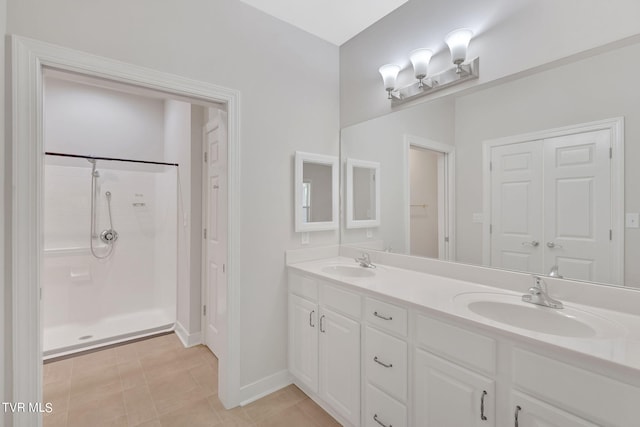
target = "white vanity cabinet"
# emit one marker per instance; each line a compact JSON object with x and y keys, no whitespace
{"x":531,"y":412}
{"x":385,"y":364}
{"x":426,"y":368}
{"x":324,"y":343}
{"x":453,"y":387}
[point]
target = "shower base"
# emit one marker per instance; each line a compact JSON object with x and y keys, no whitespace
{"x":72,"y":338}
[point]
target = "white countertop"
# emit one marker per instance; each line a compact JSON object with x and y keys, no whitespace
{"x":617,"y":342}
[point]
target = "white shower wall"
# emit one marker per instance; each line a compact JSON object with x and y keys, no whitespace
{"x":132,"y":290}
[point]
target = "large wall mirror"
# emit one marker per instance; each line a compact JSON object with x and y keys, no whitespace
{"x":531,"y":174}
{"x":316,"y":192}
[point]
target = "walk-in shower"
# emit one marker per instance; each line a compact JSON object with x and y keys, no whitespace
{"x":110,"y":258}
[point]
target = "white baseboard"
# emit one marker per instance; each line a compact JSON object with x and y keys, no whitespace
{"x":264,"y":386}
{"x":188,"y":340}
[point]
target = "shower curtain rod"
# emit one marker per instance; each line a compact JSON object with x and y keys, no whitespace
{"x":78,"y":156}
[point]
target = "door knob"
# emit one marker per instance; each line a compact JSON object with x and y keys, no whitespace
{"x":552,"y":245}
{"x":533,"y":243}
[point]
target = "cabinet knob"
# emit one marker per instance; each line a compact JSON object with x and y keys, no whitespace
{"x":482,"y":416}
{"x":386,"y":365}
{"x":375,"y":313}
{"x":518,"y":409}
{"x":321,"y":328}
{"x":375,"y":418}
{"x":310,"y":316}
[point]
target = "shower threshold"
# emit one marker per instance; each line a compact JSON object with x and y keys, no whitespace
{"x":71,"y":338}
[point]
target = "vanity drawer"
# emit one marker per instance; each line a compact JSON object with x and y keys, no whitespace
{"x":386,"y":316}
{"x":383,"y":410}
{"x":584,"y":393}
{"x":343,"y":301}
{"x":456,"y":344}
{"x":303,"y":286}
{"x":386,"y":363}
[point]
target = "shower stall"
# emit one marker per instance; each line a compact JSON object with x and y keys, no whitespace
{"x":110,"y":251}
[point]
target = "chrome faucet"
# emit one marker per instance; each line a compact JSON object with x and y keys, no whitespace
{"x":554,"y":272}
{"x":365,"y":261}
{"x":538,"y":295}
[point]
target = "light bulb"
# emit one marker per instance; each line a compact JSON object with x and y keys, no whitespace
{"x":458,"y":42}
{"x":420,"y":60}
{"x":389,"y":73}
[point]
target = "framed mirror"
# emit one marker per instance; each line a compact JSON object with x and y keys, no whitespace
{"x":362,"y":194}
{"x":316,"y":192}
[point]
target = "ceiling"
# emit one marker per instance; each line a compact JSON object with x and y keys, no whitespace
{"x":335,"y":21}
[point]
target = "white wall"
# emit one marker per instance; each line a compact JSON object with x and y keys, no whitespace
{"x":289,"y":101}
{"x":511,"y":36}
{"x":177,"y":133}
{"x":89,"y":120}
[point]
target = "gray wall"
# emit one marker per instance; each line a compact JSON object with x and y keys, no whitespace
{"x":228,"y":43}
{"x":511,"y":36}
{"x":381,"y":140}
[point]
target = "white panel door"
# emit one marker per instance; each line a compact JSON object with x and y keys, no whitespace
{"x":303,"y":341}
{"x":577,"y":205}
{"x":447,"y":395}
{"x":340,"y":364}
{"x":215,"y":219}
{"x":530,"y":412}
{"x":516,"y":206}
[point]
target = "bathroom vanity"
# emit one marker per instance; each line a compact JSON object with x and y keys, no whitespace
{"x":388,"y":346}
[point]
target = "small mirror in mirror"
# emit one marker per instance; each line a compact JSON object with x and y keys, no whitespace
{"x":362,"y":194}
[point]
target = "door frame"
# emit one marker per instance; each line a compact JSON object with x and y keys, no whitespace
{"x":616,"y":127}
{"x":446,"y":221}
{"x":28,"y":59}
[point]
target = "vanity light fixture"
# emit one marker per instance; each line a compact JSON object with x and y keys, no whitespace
{"x":420,"y":60}
{"x":458,"y":42}
{"x":389,"y":74}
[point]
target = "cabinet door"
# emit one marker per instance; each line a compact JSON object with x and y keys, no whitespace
{"x":303,"y":341}
{"x":531,"y":412}
{"x":447,"y":395}
{"x":340,"y":364}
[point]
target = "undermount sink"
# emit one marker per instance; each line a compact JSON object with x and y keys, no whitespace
{"x":511,"y":310}
{"x":348,"y":270}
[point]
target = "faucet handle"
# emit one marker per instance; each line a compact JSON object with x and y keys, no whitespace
{"x":539,"y":283}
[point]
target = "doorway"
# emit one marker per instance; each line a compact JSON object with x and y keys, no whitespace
{"x":429,"y":184}
{"x":29,"y":59}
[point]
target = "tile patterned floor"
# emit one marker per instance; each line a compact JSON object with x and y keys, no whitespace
{"x":159,"y":383}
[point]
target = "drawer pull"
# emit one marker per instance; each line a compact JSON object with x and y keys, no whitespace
{"x":518,"y":409}
{"x":375,"y":359}
{"x":375,"y":418}
{"x":375,"y":313}
{"x":322,"y":330}
{"x":310,"y":315}
{"x":482,"y":416}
